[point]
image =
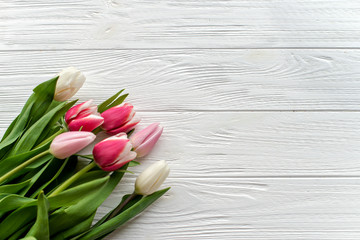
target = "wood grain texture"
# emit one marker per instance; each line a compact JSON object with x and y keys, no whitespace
{"x":259,"y":100}
{"x":254,"y":208}
{"x":242,"y":145}
{"x":188,"y":80}
{"x":110,"y":24}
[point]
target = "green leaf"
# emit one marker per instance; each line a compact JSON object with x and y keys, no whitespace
{"x":30,"y":137}
{"x":69,"y":170}
{"x":9,"y":202}
{"x":89,"y":176}
{"x":17,"y":220}
{"x":13,"y":201}
{"x":14,"y":188}
{"x":17,"y":130}
{"x":38,"y":172}
{"x":112,"y":101}
{"x":118,"y":101}
{"x":10,"y":163}
{"x":10,"y":128}
{"x":125,"y":171}
{"x":76,"y":194}
{"x":54,"y":165}
{"x":33,"y":109}
{"x":48,"y":130}
{"x":90,"y":156}
{"x":40,"y":230}
{"x":44,"y":93}
{"x":32,"y":172}
{"x":133,"y":163}
{"x":28,"y":140}
{"x":27,"y":212}
{"x":51,"y":138}
{"x":129,"y":204}
{"x":130,"y":133}
{"x":110,"y":225}
{"x":75,"y":230}
{"x":65,"y":218}
{"x":21,"y":232}
{"x":28,"y":238}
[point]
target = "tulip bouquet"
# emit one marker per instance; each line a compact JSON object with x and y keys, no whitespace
{"x":43,"y":192}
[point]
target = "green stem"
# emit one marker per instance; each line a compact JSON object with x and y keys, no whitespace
{"x":73,"y":178}
{"x":121,"y":206}
{"x":97,"y":130}
{"x":49,"y":139}
{"x":23,"y":165}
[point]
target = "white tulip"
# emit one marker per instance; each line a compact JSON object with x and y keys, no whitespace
{"x":151,"y":179}
{"x":69,"y":82}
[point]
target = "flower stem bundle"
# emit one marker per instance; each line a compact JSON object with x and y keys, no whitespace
{"x":48,"y":188}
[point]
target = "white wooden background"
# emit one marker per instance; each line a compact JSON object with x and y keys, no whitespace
{"x":260,"y":100}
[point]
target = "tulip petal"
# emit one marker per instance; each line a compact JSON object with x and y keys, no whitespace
{"x":139,"y":137}
{"x":150,"y":179}
{"x":69,"y":82}
{"x":117,"y":116}
{"x":107,"y":151}
{"x":91,"y":110}
{"x":126,"y":127}
{"x":113,"y":152}
{"x":145,"y":140}
{"x":131,"y":156}
{"x":87,"y":124}
{"x":74,"y":111}
{"x":161,"y":178}
{"x":69,"y":143}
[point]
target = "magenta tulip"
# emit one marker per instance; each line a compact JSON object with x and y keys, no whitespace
{"x":83,"y":116}
{"x":144,"y":140}
{"x":69,"y":143}
{"x":113,"y":152}
{"x":119,"y":119}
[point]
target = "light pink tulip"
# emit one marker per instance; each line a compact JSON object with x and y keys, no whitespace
{"x":69,"y":143}
{"x":144,"y":140}
{"x":112,"y":153}
{"x":119,"y":119}
{"x":83,"y":116}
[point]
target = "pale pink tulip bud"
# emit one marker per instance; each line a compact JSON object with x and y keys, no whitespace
{"x":69,"y":143}
{"x":83,"y":116}
{"x":144,"y":140}
{"x":114,"y":152}
{"x":119,"y":119}
{"x":150,"y":180}
{"x":69,"y":82}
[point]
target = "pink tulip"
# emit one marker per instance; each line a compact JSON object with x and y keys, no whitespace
{"x":113,"y":152}
{"x":119,"y":119}
{"x":83,"y":116}
{"x":69,"y":143}
{"x":144,"y":140}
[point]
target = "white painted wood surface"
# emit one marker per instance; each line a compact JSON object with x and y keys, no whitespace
{"x":108,"y":24}
{"x":260,"y":101}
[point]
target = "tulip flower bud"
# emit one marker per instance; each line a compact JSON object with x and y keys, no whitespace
{"x":112,"y":153}
{"x":151,"y":179}
{"x":69,"y":143}
{"x":119,"y":119}
{"x":83,"y":116}
{"x":144,"y":140}
{"x":69,"y":82}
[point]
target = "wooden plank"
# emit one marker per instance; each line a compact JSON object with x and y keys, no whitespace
{"x":84,"y":24}
{"x":178,"y":80}
{"x":254,"y":208}
{"x":247,"y":144}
